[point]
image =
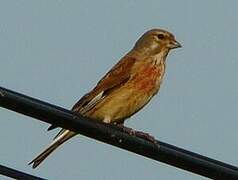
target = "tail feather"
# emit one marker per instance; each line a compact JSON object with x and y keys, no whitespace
{"x":64,"y":136}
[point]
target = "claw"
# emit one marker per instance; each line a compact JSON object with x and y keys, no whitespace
{"x":140,"y":134}
{"x":146,"y":136}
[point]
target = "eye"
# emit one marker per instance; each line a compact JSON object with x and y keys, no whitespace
{"x":161,"y":36}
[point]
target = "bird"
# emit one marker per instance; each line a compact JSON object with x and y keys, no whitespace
{"x":125,"y":89}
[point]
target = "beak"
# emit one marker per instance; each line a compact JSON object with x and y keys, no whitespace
{"x":174,"y":44}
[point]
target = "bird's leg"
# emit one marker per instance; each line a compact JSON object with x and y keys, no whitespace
{"x":146,"y":136}
{"x":127,"y":130}
{"x":140,"y":134}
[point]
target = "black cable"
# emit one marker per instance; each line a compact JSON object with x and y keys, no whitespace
{"x":113,"y":135}
{"x":6,"y":171}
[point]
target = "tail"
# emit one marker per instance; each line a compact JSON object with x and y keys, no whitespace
{"x":64,"y":136}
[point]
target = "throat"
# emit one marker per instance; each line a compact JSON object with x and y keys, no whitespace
{"x":160,"y":57}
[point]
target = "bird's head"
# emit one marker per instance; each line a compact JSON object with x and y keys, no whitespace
{"x":156,"y":40}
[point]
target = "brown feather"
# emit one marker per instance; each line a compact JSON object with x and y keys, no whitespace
{"x":116,"y":76}
{"x":126,"y":88}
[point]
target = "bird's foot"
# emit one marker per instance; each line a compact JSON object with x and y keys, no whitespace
{"x":146,"y":136}
{"x":126,"y":129}
{"x":139,"y":134}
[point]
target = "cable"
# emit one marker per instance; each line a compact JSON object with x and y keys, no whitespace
{"x":113,"y":135}
{"x":17,"y":174}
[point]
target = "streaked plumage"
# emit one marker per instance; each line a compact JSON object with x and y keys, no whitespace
{"x":126,"y":88}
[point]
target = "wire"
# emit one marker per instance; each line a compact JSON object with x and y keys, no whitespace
{"x":114,"y":135}
{"x":17,"y":174}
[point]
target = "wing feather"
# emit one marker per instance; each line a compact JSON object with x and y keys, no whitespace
{"x":118,"y":75}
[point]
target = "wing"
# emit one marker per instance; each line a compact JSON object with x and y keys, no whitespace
{"x":117,"y":76}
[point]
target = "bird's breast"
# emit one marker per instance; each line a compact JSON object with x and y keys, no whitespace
{"x":149,"y":77}
{"x":124,"y":101}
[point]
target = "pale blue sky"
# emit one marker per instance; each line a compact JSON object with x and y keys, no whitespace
{"x":57,"y":50}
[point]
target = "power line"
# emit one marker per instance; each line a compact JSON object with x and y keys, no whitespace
{"x":114,"y":135}
{"x":6,"y":171}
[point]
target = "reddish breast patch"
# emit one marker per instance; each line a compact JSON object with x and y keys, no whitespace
{"x":146,"y":78}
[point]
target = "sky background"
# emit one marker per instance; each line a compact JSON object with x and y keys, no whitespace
{"x":56,"y":51}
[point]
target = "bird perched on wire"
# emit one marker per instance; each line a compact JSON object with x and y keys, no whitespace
{"x":126,"y":88}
